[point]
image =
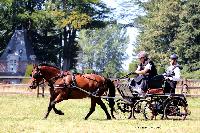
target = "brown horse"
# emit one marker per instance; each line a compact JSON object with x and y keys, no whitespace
{"x":66,"y":85}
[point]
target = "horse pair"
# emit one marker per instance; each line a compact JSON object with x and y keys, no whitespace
{"x":66,"y":85}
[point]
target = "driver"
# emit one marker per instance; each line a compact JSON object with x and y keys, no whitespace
{"x":146,"y":70}
{"x":173,"y":74}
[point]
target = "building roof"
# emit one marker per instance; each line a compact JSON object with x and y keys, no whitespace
{"x":17,"y":55}
{"x":19,"y":45}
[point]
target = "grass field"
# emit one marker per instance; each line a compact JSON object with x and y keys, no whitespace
{"x":23,"y":113}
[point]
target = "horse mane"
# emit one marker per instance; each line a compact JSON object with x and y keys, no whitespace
{"x":46,"y":64}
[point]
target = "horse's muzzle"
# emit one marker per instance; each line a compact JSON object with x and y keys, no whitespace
{"x":32,"y":86}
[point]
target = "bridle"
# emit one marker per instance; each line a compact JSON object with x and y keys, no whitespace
{"x":37,"y":75}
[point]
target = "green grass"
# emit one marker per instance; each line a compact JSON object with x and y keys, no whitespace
{"x":22,"y":113}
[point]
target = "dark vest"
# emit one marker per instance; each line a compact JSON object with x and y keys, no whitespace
{"x":150,"y":73}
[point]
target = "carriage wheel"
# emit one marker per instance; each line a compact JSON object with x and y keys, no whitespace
{"x":138,"y":109}
{"x":122,"y":110}
{"x":175,"y":109}
{"x":154,"y":110}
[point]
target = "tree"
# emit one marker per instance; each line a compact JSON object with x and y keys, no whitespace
{"x":171,"y":26}
{"x":35,"y":16}
{"x":79,"y":15}
{"x":5,"y":23}
{"x":54,"y":23}
{"x":187,"y":42}
{"x":158,"y":28}
{"x":104,"y":49}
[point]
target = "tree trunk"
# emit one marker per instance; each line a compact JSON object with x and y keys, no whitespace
{"x":66,"y":58}
{"x":61,"y":52}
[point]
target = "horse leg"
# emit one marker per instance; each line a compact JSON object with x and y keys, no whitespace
{"x":49,"y":109}
{"x":52,"y":97}
{"x":111,"y":105}
{"x":103,"y":106}
{"x":92,"y":108}
{"x":52,"y":105}
{"x":59,"y":112}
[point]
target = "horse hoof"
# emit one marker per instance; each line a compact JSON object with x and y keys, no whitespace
{"x":113,"y":117}
{"x":60,"y":113}
{"x":108,"y":118}
{"x":44,"y":118}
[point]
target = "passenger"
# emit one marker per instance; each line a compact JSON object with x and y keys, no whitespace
{"x":146,"y":70}
{"x":173,"y":74}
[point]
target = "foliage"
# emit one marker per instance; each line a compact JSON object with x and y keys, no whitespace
{"x":52,"y":24}
{"x":46,"y":47}
{"x":103,"y":49}
{"x":133,"y":66}
{"x":29,"y":69}
{"x":170,"y":26}
{"x":187,"y":43}
{"x":89,"y":71}
{"x":5,"y":23}
{"x":191,"y":75}
{"x":158,"y":28}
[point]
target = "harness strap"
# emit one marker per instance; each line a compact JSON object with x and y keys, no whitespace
{"x":90,"y":79}
{"x":73,"y":80}
{"x":72,"y":85}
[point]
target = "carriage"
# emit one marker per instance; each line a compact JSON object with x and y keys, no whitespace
{"x":155,"y":104}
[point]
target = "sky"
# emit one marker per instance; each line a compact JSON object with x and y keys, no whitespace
{"x":131,"y":31}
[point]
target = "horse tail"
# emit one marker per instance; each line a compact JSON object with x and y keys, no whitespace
{"x":111,"y":88}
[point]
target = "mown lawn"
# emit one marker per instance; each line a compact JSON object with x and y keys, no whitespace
{"x":22,"y":113}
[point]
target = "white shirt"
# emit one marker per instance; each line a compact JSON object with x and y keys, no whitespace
{"x":176,"y":70}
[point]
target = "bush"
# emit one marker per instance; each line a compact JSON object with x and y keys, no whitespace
{"x":160,"y":70}
{"x":29,"y":69}
{"x":191,"y":75}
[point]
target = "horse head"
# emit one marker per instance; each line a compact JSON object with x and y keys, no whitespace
{"x":36,"y":77}
{"x":43,"y":71}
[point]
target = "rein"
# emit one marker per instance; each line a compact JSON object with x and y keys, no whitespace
{"x":126,"y":76}
{"x":90,"y":79}
{"x":92,"y":94}
{"x":38,"y":84}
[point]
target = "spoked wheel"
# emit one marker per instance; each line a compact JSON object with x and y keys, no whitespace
{"x":122,"y":110}
{"x":138,"y":109}
{"x":175,"y":109}
{"x":154,"y":110}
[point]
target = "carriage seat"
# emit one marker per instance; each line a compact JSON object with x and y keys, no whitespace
{"x":155,"y":85}
{"x":155,"y":91}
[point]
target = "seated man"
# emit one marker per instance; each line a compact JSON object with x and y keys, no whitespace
{"x":172,"y":74}
{"x":146,"y":71}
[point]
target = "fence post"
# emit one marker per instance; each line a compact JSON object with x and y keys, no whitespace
{"x":38,"y":89}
